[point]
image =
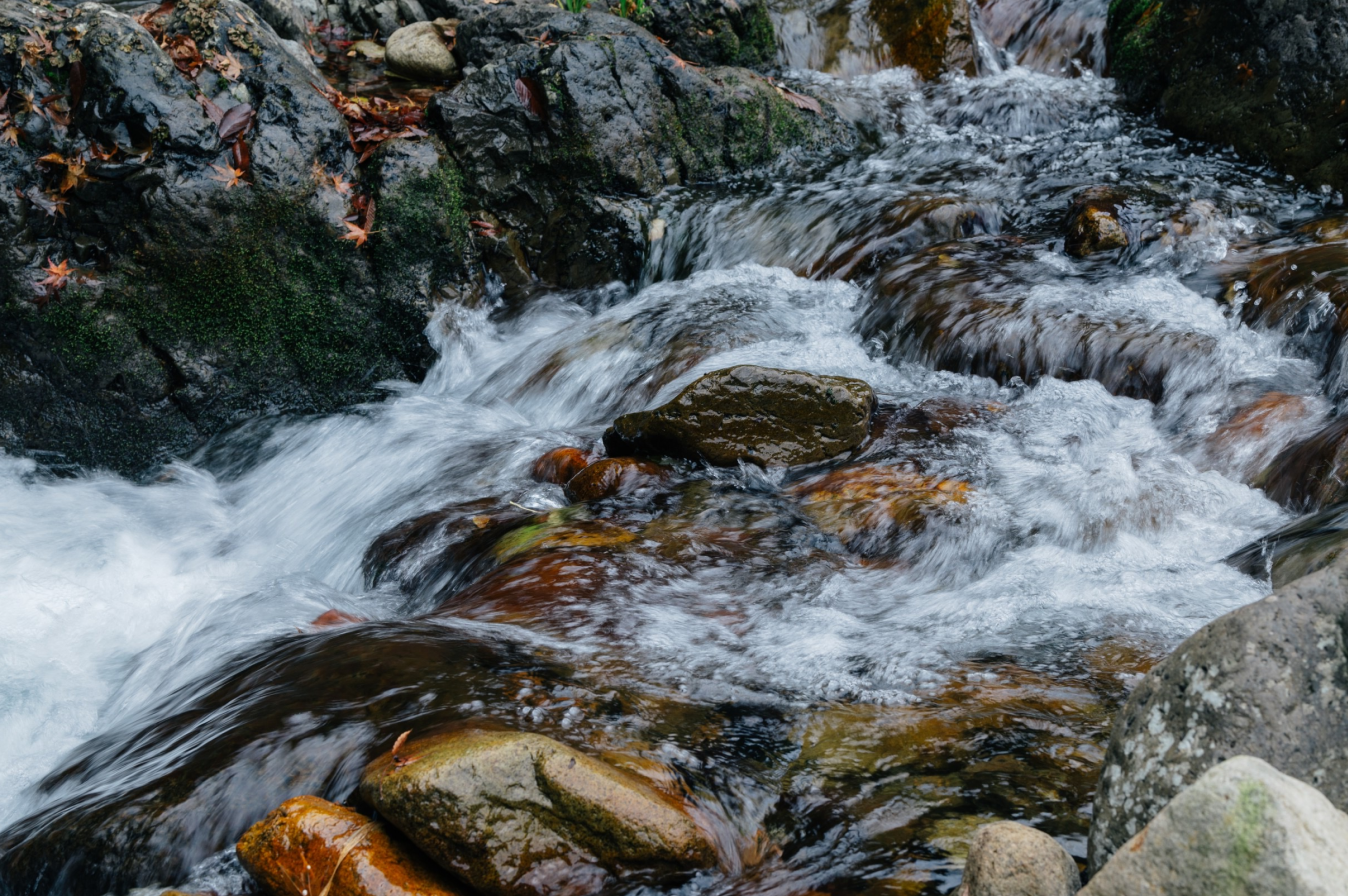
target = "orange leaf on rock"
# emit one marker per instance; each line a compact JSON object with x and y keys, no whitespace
{"x":799,"y":100}
{"x":185,"y":55}
{"x":355,"y":233}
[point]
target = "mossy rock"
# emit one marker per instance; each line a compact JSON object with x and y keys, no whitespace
{"x":1264,"y":76}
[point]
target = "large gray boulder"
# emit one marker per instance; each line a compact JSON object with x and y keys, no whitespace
{"x":1242,"y":828}
{"x":1010,"y":859}
{"x":1269,"y":680}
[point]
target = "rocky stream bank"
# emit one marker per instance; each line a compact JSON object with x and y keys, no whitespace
{"x":646,"y":608}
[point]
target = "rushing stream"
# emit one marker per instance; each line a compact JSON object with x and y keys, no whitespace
{"x":866,"y":709}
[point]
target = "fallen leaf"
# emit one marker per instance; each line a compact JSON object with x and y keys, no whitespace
{"x":243,"y":159}
{"x":77,"y":82}
{"x":213,"y":112}
{"x":356,"y":233}
{"x":58,"y":275}
{"x":51,"y":204}
{"x":402,"y":739}
{"x":236,"y":121}
{"x":532,"y":96}
{"x":227,"y":65}
{"x":342,"y":187}
{"x":799,"y":100}
{"x":149,"y":20}
{"x":185,"y":55}
{"x":230,"y":177}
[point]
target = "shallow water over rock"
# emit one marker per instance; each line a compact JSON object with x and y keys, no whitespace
{"x":846,"y":666}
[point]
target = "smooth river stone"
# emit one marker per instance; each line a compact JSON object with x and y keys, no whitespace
{"x":520,"y":814}
{"x":310,"y":844}
{"x":767,"y":416}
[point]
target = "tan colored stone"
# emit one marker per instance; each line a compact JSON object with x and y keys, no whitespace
{"x":520,"y":814}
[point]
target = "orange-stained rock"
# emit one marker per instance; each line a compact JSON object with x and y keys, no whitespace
{"x":1245,"y":443}
{"x":870,"y":508}
{"x":1095,"y":222}
{"x":559,"y":465}
{"x":559,"y":530}
{"x":614,"y":476}
{"x":335,"y":617}
{"x":1288,"y":290}
{"x":540,"y":590}
{"x":309,"y":844}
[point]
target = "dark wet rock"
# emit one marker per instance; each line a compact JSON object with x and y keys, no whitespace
{"x":1243,"y":827}
{"x":1264,"y":76}
{"x":1269,"y":680}
{"x":897,"y":431}
{"x":1098,"y":221}
{"x":1300,"y":290}
{"x":762,"y":415}
{"x":873,"y":509}
{"x":1051,"y":36}
{"x":519,"y":814}
{"x":442,"y":549}
{"x":164,"y":790}
{"x":322,"y":847}
{"x":962,"y":307}
{"x":909,"y":224}
{"x":1010,"y":859}
{"x":563,"y":141}
{"x":715,"y":32}
{"x":1297,"y":549}
{"x":422,"y":51}
{"x":931,"y":36}
{"x":613,"y":477}
{"x":559,"y":465}
{"x":198,"y":303}
{"x":1310,"y":474}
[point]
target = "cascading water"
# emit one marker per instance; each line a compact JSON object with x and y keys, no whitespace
{"x":1091,"y":540}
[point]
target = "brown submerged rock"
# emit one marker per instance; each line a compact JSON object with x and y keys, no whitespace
{"x":764,"y":415}
{"x":931,"y":36}
{"x":520,"y":814}
{"x":1095,"y":222}
{"x":1312,"y":473}
{"x":614,"y":476}
{"x":309,"y":844}
{"x":559,"y":465}
{"x":870,"y":508}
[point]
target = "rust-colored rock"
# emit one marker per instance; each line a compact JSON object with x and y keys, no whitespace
{"x":613,"y":477}
{"x":311,"y":845}
{"x":1096,"y":222}
{"x":931,"y":36}
{"x":559,"y":465}
{"x":335,"y":617}
{"x":518,"y":814}
{"x":1246,"y":443}
{"x":871,"y":508}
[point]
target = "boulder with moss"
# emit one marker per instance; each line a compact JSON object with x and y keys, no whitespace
{"x":205,"y":277}
{"x":568,"y":124}
{"x":1265,"y":76}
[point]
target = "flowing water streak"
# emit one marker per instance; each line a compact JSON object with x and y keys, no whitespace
{"x":1088,"y":517}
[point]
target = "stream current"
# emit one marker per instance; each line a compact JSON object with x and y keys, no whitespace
{"x":865,"y":713}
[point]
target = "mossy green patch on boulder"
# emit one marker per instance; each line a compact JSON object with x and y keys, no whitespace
{"x":515,"y":813}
